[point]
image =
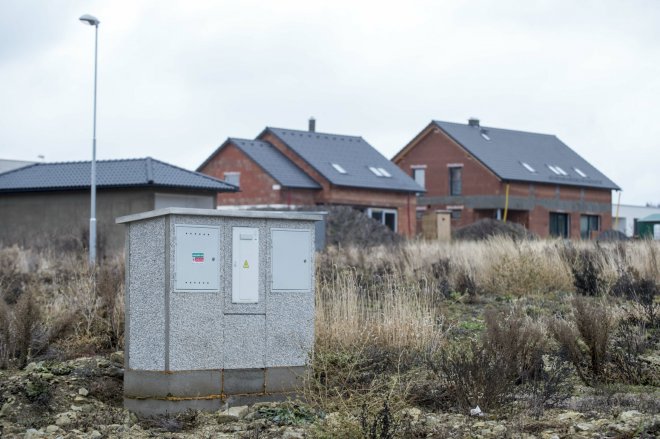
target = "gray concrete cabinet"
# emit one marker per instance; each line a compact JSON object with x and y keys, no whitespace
{"x":219,"y":306}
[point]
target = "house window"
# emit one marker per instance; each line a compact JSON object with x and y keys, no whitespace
{"x":233,"y":178}
{"x":386,"y":217}
{"x":419,"y":175}
{"x":455,"y":180}
{"x":559,"y":225}
{"x":456,"y":211}
{"x":588,"y":224}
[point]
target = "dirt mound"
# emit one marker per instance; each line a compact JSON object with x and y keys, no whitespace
{"x":487,"y":228}
{"x":347,"y":226}
{"x":612,"y":235}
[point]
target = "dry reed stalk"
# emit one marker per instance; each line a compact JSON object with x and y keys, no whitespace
{"x":394,"y":316}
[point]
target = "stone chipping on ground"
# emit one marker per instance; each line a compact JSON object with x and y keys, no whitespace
{"x":81,"y":398}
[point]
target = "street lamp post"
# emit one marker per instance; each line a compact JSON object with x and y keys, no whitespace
{"x":93,"y":21}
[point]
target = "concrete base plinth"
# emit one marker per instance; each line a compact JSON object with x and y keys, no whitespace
{"x":150,"y":393}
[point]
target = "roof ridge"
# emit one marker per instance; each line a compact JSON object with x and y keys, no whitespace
{"x":208,"y":177}
{"x":495,"y":128}
{"x":245,"y":139}
{"x":314,"y":132}
{"x":73,"y":162}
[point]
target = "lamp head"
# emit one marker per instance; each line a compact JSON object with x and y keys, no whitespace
{"x":90,"y":19}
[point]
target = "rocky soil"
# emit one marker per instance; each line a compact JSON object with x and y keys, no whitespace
{"x":82,"y":398}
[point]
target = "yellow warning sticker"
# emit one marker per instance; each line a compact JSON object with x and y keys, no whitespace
{"x":245,"y":264}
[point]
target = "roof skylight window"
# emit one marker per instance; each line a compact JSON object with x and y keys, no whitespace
{"x":528,"y":167}
{"x":561,"y":171}
{"x":485,"y":135}
{"x":376,"y":171}
{"x":580,"y":173}
{"x":338,"y":168}
{"x":384,"y":172}
{"x":553,"y":169}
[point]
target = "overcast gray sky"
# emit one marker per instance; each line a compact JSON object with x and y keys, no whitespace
{"x":177,"y":78}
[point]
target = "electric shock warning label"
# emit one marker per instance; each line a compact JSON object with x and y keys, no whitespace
{"x":198,"y":257}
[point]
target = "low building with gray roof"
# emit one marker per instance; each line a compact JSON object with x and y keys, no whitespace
{"x":48,"y":204}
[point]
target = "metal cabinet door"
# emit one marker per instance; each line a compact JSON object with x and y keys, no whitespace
{"x":291,"y":255}
{"x":197,"y":265}
{"x":245,"y":265}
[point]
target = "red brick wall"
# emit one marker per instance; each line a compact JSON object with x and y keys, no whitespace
{"x":539,"y":217}
{"x":435,"y":150}
{"x":255,"y":184}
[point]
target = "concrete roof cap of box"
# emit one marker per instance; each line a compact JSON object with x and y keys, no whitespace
{"x":346,"y":160}
{"x":272,"y":161}
{"x":523,"y":156}
{"x":144,"y":172}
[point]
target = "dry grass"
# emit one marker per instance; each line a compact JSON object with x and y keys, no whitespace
{"x":50,"y":305}
{"x":391,"y":314}
{"x":390,"y":321}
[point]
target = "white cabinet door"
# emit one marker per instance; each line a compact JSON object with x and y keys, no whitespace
{"x":197,"y":262}
{"x":245,"y":265}
{"x":291,"y":257}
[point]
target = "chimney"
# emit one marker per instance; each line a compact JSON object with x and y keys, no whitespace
{"x":473,"y":122}
{"x":312,"y":124}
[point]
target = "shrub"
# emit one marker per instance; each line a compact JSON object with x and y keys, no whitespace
{"x":474,"y":376}
{"x":629,"y":342}
{"x":550,"y":386}
{"x":520,"y":341}
{"x":587,"y":272}
{"x":22,"y":334}
{"x":287,"y":414}
{"x":513,"y":359}
{"x":38,"y":391}
{"x":379,"y":425}
{"x":585,"y":337}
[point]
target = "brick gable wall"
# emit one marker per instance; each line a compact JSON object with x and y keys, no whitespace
{"x":256,"y":185}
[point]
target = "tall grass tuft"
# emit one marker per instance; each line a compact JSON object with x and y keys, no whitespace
{"x":388,"y":312}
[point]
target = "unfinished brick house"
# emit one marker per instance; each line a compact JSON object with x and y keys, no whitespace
{"x":285,"y":168}
{"x":531,"y":179}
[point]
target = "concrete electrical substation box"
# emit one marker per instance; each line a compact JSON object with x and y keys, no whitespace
{"x":219,"y":307}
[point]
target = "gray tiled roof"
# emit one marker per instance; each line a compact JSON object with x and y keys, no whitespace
{"x":276,"y":164}
{"x":110,"y":173}
{"x":353,"y":154}
{"x":506,"y":150}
